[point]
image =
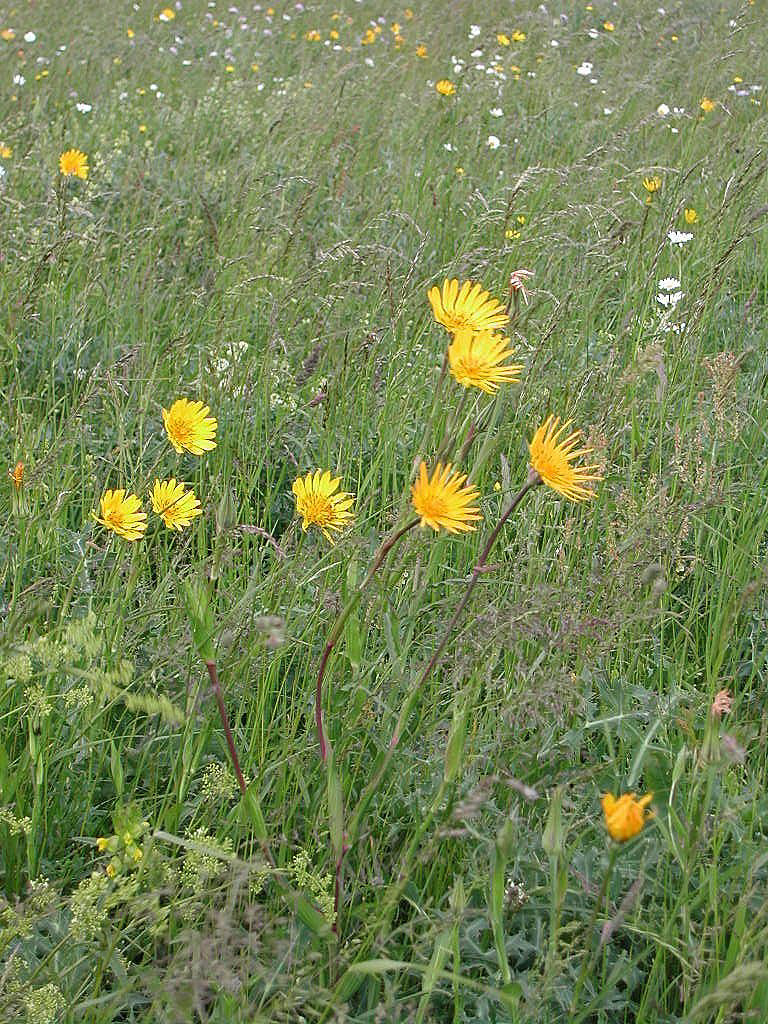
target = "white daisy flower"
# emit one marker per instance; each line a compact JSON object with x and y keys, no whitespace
{"x":679,"y":237}
{"x":493,"y":142}
{"x":669,"y":284}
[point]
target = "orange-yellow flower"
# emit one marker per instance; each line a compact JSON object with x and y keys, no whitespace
{"x":468,"y":306}
{"x":175,"y":505}
{"x":74,"y":162}
{"x":652,"y":184}
{"x":421,"y":50}
{"x":189,"y":427}
{"x":625,"y":817}
{"x":122,"y":514}
{"x":707,"y":105}
{"x":320,"y":502}
{"x":445,"y":87}
{"x":445,"y":502}
{"x":17,"y":475}
{"x":476,"y":358}
{"x":167,"y":14}
{"x":552,"y":459}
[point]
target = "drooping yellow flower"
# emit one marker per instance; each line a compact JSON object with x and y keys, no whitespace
{"x":468,"y":306}
{"x":320,"y":502}
{"x":475,"y":360}
{"x":707,"y":105}
{"x":445,"y":502}
{"x":652,"y":184}
{"x":122,"y":514}
{"x":552,"y":456}
{"x":445,"y":87}
{"x":625,"y":817}
{"x":690,"y":215}
{"x":17,"y":475}
{"x":74,"y":162}
{"x":175,"y":505}
{"x":189,"y":427}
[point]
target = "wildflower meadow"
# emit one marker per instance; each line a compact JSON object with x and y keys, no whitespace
{"x":383,"y":573}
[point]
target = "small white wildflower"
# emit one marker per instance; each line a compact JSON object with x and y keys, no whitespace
{"x":474,"y":30}
{"x":679,"y":237}
{"x":662,"y":110}
{"x":496,"y":112}
{"x":584,"y":69}
{"x":493,"y":142}
{"x":593,"y":33}
{"x":19,"y":79}
{"x":29,"y":37}
{"x":84,"y":108}
{"x":668,"y":284}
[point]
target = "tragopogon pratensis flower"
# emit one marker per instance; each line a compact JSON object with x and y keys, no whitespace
{"x":468,"y":306}
{"x":121,"y":513}
{"x":445,"y":87}
{"x":320,"y":502}
{"x":625,"y":817}
{"x":476,"y":359}
{"x":74,"y":162}
{"x":652,"y":184}
{"x":189,"y":427}
{"x":445,"y":502}
{"x":552,"y":456}
{"x":175,"y":505}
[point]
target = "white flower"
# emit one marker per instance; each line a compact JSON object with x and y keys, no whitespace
{"x":607,"y":111}
{"x":493,"y":142}
{"x":369,"y":61}
{"x":84,"y":108}
{"x":584,"y":69}
{"x":29,"y":37}
{"x":19,"y":79}
{"x":474,"y":30}
{"x":662,"y":110}
{"x":496,"y":112}
{"x":670,"y":299}
{"x":553,"y":43}
{"x":476,"y":54}
{"x":593,"y":33}
{"x":679,"y":237}
{"x":447,"y":146}
{"x":669,"y":284}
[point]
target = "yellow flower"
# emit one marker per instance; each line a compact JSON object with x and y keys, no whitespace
{"x":130,"y":33}
{"x":469,"y":306}
{"x":101,"y":844}
{"x":8,"y":34}
{"x":408,"y":13}
{"x":707,"y":105}
{"x":690,"y":215}
{"x":551,"y":457}
{"x":518,"y":36}
{"x":5,"y":152}
{"x":445,"y":501}
{"x":608,"y":26}
{"x":121,"y":514}
{"x":313,"y":36}
{"x":369,"y":36}
{"x":445,"y":87}
{"x":167,"y":14}
{"x":17,"y":475}
{"x":320,"y":502}
{"x":502,"y":39}
{"x":625,"y":817}
{"x":475,"y":360}
{"x":176,"y":506}
{"x":74,"y":162}
{"x":653,"y":184}
{"x":189,"y":427}
{"x":421,"y":50}
{"x":333,"y":34}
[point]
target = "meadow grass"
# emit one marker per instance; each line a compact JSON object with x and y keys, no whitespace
{"x":269,"y":198}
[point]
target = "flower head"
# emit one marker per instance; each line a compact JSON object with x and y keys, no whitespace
{"x":122,"y":514}
{"x":445,"y":501}
{"x":652,"y":184}
{"x":320,"y":502}
{"x":176,"y":506}
{"x":74,"y":162}
{"x":625,"y":817}
{"x":722,"y":704}
{"x":690,"y":215}
{"x":475,"y":359}
{"x":552,"y":456}
{"x":707,"y":105}
{"x":468,"y":306}
{"x":17,"y":475}
{"x":167,"y":14}
{"x":679,"y":237}
{"x":445,"y":87}
{"x":189,"y":427}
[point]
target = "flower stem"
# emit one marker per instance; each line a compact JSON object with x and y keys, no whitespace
{"x":214,"y":676}
{"x":338,"y":626}
{"x":589,"y":956}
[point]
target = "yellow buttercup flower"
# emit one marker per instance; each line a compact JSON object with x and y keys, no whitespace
{"x":690,"y":215}
{"x":369,"y":36}
{"x":445,"y":502}
{"x":175,"y":505}
{"x":552,"y":456}
{"x":502,"y":39}
{"x":518,"y":36}
{"x":320,"y":502}
{"x":468,"y":306}
{"x":189,"y":427}
{"x":608,"y":26}
{"x":74,"y":162}
{"x":421,"y":50}
{"x":445,"y":87}
{"x":652,"y":184}
{"x":122,"y":514}
{"x":167,"y":14}
{"x":5,"y":152}
{"x":475,"y":360}
{"x":625,"y":817}
{"x":707,"y":105}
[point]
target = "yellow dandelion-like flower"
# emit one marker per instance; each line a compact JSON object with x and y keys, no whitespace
{"x":502,"y":39}
{"x":167,"y":14}
{"x":320,"y":502}
{"x":518,"y":36}
{"x":468,"y":306}
{"x":552,"y":459}
{"x":445,"y":502}
{"x":369,"y":36}
{"x":175,"y":505}
{"x":8,"y":34}
{"x":625,"y":817}
{"x":652,"y":184}
{"x":5,"y":152}
{"x":608,"y":26}
{"x":690,"y":215}
{"x":707,"y":105}
{"x":189,"y":427}
{"x":445,"y":87}
{"x":421,"y":50}
{"x":475,"y":360}
{"x":74,"y":162}
{"x":121,"y":513}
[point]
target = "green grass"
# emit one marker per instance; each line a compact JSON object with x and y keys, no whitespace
{"x":265,"y":244}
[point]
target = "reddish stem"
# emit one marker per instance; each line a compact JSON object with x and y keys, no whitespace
{"x":214,"y":676}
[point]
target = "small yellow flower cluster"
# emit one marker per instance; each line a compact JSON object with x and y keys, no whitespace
{"x":123,"y":847}
{"x":189,"y":428}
